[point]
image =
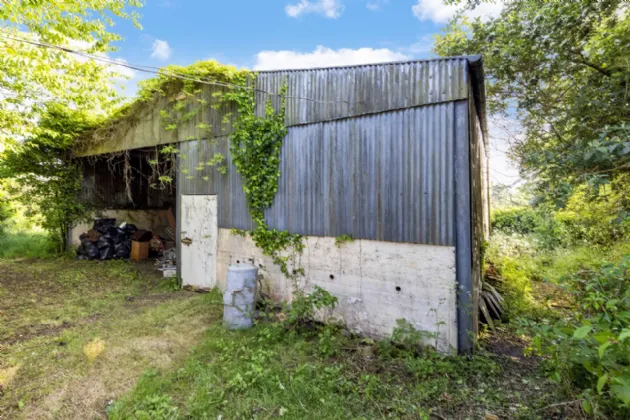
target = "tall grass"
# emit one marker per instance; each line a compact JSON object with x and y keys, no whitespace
{"x":26,"y":244}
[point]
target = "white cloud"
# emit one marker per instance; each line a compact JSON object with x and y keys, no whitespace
{"x":423,"y":46}
{"x":125,"y":72}
{"x":376,"y":5}
{"x":161,"y":50}
{"x":324,"y":57}
{"x":330,"y":8}
{"x":439,"y":12}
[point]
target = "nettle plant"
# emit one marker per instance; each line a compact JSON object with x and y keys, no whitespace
{"x":590,"y":348}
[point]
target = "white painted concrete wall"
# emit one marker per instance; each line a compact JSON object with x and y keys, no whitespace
{"x":376,"y":282}
{"x":143,"y":219}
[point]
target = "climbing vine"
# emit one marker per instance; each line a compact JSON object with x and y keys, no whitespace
{"x":255,"y":147}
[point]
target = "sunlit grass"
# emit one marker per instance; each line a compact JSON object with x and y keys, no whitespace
{"x":26,"y":244}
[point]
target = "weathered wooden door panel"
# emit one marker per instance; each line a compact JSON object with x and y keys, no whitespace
{"x":199,"y":233}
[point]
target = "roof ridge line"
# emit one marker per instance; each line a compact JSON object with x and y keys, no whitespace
{"x":469,"y":58}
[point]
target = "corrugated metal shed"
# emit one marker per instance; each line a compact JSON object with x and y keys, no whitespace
{"x":390,"y":152}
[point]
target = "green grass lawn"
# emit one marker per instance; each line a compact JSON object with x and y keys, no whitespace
{"x":255,"y":374}
{"x":86,"y":339}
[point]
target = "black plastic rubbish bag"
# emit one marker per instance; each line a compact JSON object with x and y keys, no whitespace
{"x":106,"y":247}
{"x":101,"y":225}
{"x":81,"y":252}
{"x":107,"y":253}
{"x":112,"y":232}
{"x":121,"y":236}
{"x":91,"y":251}
{"x":104,"y":242}
{"x":130,"y":229}
{"x":122,"y":250}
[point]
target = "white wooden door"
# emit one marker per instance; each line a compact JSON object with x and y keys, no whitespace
{"x":198,"y":236}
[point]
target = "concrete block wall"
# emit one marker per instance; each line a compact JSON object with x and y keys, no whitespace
{"x":376,"y":282}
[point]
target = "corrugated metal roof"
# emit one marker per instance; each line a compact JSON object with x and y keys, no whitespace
{"x":332,"y":93}
{"x":341,"y":92}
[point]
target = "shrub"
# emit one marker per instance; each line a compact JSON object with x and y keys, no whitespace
{"x":550,"y":233}
{"x":595,"y":217}
{"x":513,"y":257}
{"x":540,"y":222}
{"x":522,"y":220}
{"x":590,"y":347}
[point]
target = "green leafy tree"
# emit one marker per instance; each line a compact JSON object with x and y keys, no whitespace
{"x":31,"y":76}
{"x":50,"y":97}
{"x":44,"y":175}
{"x":565,"y":67}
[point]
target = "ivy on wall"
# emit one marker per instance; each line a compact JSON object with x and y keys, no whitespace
{"x":255,"y":147}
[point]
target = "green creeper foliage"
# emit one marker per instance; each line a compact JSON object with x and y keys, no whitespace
{"x":255,"y":147}
{"x":255,"y":143}
{"x":342,"y":239}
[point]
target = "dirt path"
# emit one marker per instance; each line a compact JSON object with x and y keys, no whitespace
{"x":76,"y":335}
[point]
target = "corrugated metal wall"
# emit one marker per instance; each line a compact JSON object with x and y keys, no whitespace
{"x":375,"y":163}
{"x":196,"y":177}
{"x":386,"y":176}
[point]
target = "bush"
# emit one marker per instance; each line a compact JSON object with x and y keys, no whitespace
{"x":546,"y":231}
{"x":595,"y":217}
{"x":522,"y":220}
{"x":590,"y":347}
{"x":514,"y":257}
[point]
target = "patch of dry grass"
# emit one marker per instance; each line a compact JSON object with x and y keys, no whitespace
{"x":77,"y":335}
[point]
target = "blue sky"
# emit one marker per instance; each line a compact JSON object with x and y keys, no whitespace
{"x":264,"y":33}
{"x":267,"y":34}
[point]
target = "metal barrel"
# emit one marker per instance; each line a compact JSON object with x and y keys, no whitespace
{"x":239,"y":299}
